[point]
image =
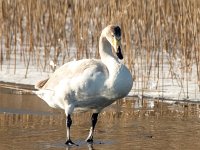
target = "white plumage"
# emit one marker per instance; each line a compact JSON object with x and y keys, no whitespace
{"x":89,"y":84}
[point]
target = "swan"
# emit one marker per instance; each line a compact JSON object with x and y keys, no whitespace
{"x":89,"y":84}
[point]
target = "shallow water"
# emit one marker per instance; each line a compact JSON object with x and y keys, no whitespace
{"x":28,"y":123}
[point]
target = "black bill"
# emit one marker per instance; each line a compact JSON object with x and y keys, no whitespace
{"x":119,"y":53}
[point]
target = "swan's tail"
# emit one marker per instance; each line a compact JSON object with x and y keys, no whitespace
{"x":47,"y":96}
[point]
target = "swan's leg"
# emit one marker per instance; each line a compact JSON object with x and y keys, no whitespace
{"x":68,"y":124}
{"x":94,"y":121}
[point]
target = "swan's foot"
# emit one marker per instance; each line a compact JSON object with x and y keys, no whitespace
{"x":69,"y":123}
{"x":94,"y":121}
{"x":70,"y":143}
{"x":89,"y":140}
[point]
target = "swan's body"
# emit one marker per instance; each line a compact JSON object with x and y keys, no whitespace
{"x":89,"y":84}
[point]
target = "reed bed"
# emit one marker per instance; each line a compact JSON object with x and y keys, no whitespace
{"x":161,"y":38}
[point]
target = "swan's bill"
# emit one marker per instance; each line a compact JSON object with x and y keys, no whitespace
{"x":117,"y":46}
{"x":119,"y":53}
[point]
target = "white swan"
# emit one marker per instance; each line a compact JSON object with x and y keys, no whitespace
{"x":89,"y":84}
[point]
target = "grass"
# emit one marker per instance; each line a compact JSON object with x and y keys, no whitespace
{"x":156,"y":34}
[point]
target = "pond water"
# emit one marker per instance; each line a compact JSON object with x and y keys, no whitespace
{"x":26,"y":122}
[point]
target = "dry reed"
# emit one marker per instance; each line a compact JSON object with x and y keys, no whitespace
{"x":156,"y":34}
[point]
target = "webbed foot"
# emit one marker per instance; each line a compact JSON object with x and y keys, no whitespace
{"x":89,"y":141}
{"x":70,"y":143}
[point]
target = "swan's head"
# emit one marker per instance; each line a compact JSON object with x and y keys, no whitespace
{"x":113,"y":35}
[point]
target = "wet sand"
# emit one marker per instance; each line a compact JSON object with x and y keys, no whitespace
{"x":26,"y":122}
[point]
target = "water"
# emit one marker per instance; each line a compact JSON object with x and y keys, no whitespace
{"x":28,"y":123}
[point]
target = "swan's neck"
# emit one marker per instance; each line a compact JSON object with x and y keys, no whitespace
{"x":119,"y":81}
{"x":105,"y":50}
{"x":107,"y":57}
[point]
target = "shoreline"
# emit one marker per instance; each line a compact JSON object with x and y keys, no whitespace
{"x":24,"y":89}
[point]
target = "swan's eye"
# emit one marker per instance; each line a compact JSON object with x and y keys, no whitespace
{"x":113,"y":35}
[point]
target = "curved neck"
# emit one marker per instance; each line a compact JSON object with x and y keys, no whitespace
{"x":107,"y":57}
{"x":105,"y":51}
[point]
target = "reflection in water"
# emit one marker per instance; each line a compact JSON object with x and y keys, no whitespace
{"x":26,"y":122}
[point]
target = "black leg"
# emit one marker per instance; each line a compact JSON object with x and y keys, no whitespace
{"x":69,"y":123}
{"x":94,"y":121}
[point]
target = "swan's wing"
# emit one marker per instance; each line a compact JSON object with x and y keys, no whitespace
{"x":41,"y":83}
{"x":83,"y":68}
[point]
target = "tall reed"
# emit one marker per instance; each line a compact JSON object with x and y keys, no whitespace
{"x":158,"y":35}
